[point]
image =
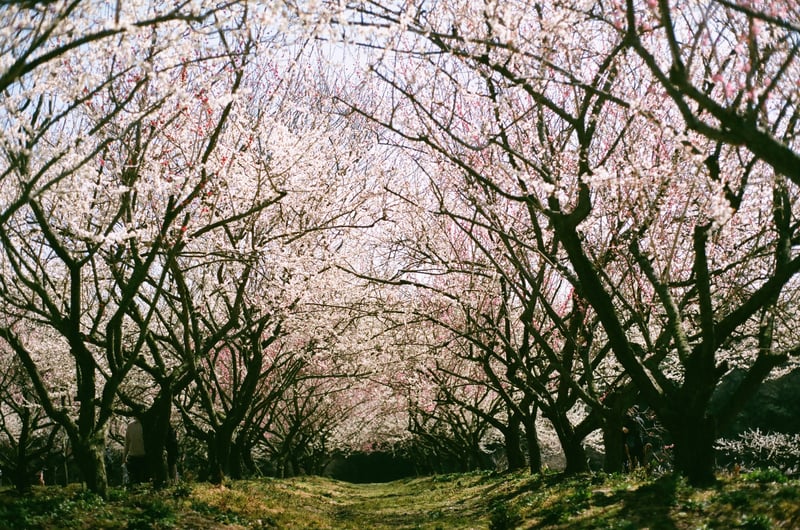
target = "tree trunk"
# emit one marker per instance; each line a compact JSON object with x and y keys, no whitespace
{"x":295,"y":465}
{"x":214,"y":469}
{"x":235,"y":466}
{"x":694,"y":450}
{"x":514,"y":456}
{"x":220,"y":445}
{"x":90,"y":459}
{"x":616,"y":404}
{"x":154,"y":453}
{"x":247,"y":461}
{"x":613,"y":440}
{"x":281,"y":468}
{"x":574,"y":453}
{"x":20,"y":476}
{"x":65,"y":459}
{"x":21,"y":479}
{"x":534,"y":450}
{"x":155,"y":424}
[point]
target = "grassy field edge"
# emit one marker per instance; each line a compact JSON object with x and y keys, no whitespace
{"x":759,"y":500}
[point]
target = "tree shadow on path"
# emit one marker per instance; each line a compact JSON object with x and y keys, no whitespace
{"x":649,"y":505}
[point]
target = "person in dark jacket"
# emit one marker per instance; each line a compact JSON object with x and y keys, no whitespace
{"x":633,"y":436}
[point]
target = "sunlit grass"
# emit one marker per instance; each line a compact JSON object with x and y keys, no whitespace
{"x":764,"y":499}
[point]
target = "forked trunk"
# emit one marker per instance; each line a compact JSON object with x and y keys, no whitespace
{"x":571,"y":445}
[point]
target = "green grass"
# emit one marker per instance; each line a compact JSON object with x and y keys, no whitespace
{"x":476,"y":500}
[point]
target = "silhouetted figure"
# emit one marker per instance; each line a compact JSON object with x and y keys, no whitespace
{"x":633,"y":436}
{"x":134,"y":458}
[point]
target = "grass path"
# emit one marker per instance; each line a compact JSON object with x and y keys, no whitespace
{"x":481,"y":501}
{"x":450,"y":502}
{"x":759,"y":500}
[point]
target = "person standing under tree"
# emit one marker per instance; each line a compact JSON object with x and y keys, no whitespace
{"x":134,"y":458}
{"x":633,"y":433}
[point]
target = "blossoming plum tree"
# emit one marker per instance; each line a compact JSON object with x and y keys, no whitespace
{"x":100,"y":180}
{"x":655,"y":148}
{"x":28,"y":435}
{"x":595,"y":199}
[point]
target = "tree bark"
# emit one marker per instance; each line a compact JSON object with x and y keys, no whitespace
{"x":155,"y":423}
{"x":534,"y":450}
{"x":21,"y":476}
{"x":574,"y":453}
{"x":90,"y":459}
{"x":235,"y":467}
{"x":613,"y":441}
{"x":220,"y":448}
{"x":514,"y":456}
{"x":694,"y":439}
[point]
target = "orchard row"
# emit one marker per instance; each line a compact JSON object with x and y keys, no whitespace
{"x":303,"y":229}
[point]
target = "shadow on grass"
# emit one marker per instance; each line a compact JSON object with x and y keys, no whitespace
{"x":531,"y":483}
{"x":594,"y":504}
{"x":649,"y":505}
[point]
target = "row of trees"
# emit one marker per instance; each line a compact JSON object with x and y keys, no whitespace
{"x":618,"y":221}
{"x":302,"y":230}
{"x":167,"y":222}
